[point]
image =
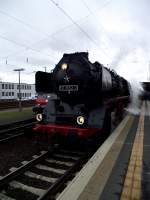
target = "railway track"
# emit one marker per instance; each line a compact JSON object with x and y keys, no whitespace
{"x":14,"y":130}
{"x":43,"y":177}
{"x":15,"y":124}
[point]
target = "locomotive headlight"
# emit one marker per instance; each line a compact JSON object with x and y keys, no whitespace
{"x":64,"y":66}
{"x":39,"y":117}
{"x":80,"y":120}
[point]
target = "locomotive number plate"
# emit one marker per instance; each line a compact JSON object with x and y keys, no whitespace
{"x":68,"y":88}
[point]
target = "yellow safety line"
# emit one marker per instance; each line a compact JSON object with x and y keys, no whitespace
{"x":132,"y":184}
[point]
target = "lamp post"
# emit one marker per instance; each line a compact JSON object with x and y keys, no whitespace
{"x":19,"y":95}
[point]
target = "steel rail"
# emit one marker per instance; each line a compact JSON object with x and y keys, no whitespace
{"x":58,"y":185}
{"x":8,"y":134}
{"x":5,"y":126}
{"x":12,"y":175}
{"x":54,"y":189}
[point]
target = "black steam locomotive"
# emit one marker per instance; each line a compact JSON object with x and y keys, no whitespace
{"x":82,"y":97}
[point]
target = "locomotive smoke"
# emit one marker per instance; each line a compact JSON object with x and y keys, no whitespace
{"x":136,"y":88}
{"x":135,"y":91}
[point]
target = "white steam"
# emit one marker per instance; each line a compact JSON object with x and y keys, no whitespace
{"x":136,"y":90}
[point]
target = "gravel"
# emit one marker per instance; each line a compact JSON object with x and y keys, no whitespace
{"x":13,"y":152}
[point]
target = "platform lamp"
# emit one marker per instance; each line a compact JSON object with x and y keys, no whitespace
{"x":19,"y":95}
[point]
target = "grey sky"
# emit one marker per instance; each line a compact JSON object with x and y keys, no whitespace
{"x":114,"y":32}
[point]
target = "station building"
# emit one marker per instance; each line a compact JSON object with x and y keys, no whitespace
{"x":10,"y":91}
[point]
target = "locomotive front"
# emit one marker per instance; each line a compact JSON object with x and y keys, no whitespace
{"x":78,"y":92}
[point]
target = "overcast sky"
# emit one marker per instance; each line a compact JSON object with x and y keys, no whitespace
{"x":34,"y":34}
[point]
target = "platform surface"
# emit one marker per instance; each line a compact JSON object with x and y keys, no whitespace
{"x":120,"y":169}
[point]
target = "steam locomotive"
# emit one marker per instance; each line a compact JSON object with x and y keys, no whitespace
{"x":83,"y":96}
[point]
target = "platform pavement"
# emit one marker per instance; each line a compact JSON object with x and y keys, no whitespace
{"x":146,"y":156}
{"x":124,"y":170}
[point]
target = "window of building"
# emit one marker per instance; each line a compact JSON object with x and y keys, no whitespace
{"x":12,"y":93}
{"x":6,"y":86}
{"x":12,"y":86}
{"x":2,"y":86}
{"x":9,"y":94}
{"x":3,"y":93}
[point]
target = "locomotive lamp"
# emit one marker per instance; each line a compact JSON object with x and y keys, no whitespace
{"x":80,"y":120}
{"x":64,"y":66}
{"x":39,"y":117}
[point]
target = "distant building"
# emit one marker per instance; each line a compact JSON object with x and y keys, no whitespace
{"x":11,"y":90}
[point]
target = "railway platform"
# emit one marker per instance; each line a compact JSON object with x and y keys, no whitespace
{"x":120,"y":169}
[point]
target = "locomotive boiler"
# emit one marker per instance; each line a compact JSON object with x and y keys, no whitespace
{"x":83,"y":96}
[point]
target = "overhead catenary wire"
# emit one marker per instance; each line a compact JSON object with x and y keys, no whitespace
{"x":28,"y":25}
{"x":22,"y":22}
{"x":22,"y":45}
{"x":105,"y":4}
{"x":35,"y":28}
{"x":39,"y":31}
{"x":77,"y":25}
{"x":93,"y":13}
{"x":52,"y":36}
